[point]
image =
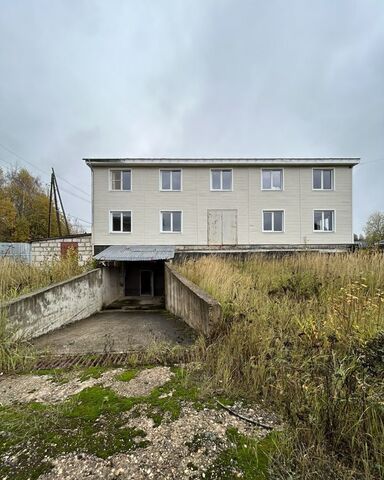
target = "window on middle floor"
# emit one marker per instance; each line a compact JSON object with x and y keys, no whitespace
{"x":272,"y":179}
{"x":273,"y":221}
{"x":121,"y":222}
{"x":221,"y":180}
{"x":324,"y":220}
{"x":170,"y":221}
{"x":170,"y":180}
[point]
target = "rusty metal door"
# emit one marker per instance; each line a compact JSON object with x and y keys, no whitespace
{"x":222,"y":227}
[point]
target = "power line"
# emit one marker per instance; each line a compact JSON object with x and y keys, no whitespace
{"x":38,"y":168}
{"x":21,"y":158}
{"x":74,"y":186}
{"x":80,"y":219}
{"x":61,"y":178}
{"x":75,"y":195}
{"x":70,"y":193}
{"x":6,"y":161}
{"x":63,"y":189}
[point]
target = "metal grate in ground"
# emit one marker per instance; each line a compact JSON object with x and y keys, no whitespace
{"x":83,"y":360}
{"x":112,"y":359}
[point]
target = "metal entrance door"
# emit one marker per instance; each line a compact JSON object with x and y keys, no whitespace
{"x":146,"y":283}
{"x":222,"y":227}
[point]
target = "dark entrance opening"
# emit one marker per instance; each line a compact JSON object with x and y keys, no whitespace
{"x":144,"y":278}
{"x":146,"y":283}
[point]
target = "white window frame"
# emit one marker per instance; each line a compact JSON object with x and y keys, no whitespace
{"x":272,"y":210}
{"x":161,"y":221}
{"x":121,"y":180}
{"x":333,"y":220}
{"x":221,"y":180}
{"x":321,"y":189}
{"x":272,"y":189}
{"x":161,"y":189}
{"x":121,"y":219}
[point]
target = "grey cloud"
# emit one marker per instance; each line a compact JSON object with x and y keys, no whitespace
{"x":193,"y":77}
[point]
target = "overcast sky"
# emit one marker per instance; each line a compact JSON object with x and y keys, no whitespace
{"x":83,"y":78}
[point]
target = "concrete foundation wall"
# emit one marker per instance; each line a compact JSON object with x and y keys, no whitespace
{"x":40,"y":312}
{"x":186,"y":300}
{"x":49,"y":250}
{"x":113,"y":284}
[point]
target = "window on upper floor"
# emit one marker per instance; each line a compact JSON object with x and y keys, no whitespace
{"x":121,"y":222}
{"x":221,"y":180}
{"x":272,"y":179}
{"x":170,"y":221}
{"x":273,"y":221}
{"x":170,"y":180}
{"x":121,"y":180}
{"x":324,"y":220}
{"x":322,"y":179}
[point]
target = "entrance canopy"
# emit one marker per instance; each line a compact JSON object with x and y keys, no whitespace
{"x":136,"y":253}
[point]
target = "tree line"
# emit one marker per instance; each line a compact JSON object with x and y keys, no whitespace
{"x":24,"y":208}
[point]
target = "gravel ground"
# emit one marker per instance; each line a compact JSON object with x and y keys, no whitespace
{"x":177,"y":449}
{"x":180,"y":449}
{"x":41,"y":388}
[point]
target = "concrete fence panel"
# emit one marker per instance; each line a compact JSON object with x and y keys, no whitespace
{"x":39,"y":312}
{"x":186,"y":300}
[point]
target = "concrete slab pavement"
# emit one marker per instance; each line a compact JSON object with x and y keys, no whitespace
{"x":116,"y":331}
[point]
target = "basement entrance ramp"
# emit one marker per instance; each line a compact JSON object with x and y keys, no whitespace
{"x":116,"y":331}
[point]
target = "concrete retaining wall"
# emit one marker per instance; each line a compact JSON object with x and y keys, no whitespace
{"x":47,"y":309}
{"x":113,"y":284}
{"x":186,"y":300}
{"x":48,"y":250}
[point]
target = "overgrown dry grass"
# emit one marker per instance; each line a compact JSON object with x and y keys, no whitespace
{"x":18,"y":278}
{"x":305,"y":335}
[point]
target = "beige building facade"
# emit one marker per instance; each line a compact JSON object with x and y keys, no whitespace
{"x":219,"y":202}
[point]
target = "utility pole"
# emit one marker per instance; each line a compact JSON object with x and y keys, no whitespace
{"x":54,"y":195}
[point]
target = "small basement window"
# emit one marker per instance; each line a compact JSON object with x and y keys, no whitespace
{"x":121,"y":180}
{"x":121,"y":222}
{"x":171,"y":222}
{"x":273,"y":221}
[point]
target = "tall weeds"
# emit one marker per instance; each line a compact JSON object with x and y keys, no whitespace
{"x":18,"y":278}
{"x":305,"y":335}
